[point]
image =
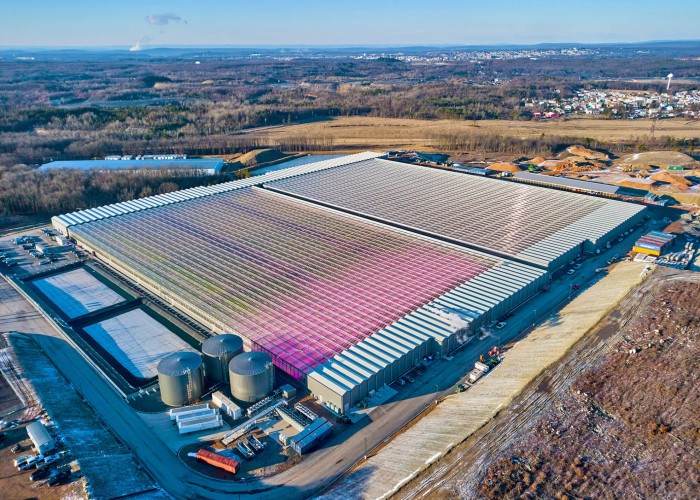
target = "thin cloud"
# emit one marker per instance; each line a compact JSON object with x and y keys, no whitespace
{"x":164,"y":19}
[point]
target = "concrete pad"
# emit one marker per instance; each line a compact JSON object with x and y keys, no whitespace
{"x":77,"y":292}
{"x":380,"y":397}
{"x":166,"y":430}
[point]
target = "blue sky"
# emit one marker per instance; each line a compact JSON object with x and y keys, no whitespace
{"x":351,"y":22}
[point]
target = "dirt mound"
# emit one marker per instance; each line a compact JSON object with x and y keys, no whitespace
{"x":550,"y":164}
{"x":655,"y":159}
{"x":254,"y":158}
{"x":258,"y":156}
{"x":573,"y":164}
{"x":676,"y":180}
{"x":504,"y":167}
{"x":634,"y":184}
{"x":587,"y":153}
{"x":537,"y":160}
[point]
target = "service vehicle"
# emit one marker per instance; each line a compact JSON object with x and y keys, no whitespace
{"x":52,"y":459}
{"x":21,"y":460}
{"x":31,"y":462}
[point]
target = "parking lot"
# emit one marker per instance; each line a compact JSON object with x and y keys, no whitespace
{"x":35,"y":252}
{"x":16,"y":484}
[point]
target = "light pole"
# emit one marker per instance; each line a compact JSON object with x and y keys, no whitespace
{"x":365,"y":448}
{"x":534,"y":319}
{"x":437,"y":390}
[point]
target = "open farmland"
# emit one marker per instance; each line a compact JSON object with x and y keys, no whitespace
{"x":393,"y":133}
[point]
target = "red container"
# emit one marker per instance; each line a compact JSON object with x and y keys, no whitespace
{"x":220,"y":461}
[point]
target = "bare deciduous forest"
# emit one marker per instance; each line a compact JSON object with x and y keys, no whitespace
{"x":82,"y":106}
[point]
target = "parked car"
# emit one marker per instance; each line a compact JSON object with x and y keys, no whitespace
{"x":52,"y":459}
{"x":58,"y":476}
{"x":40,"y":474}
{"x":21,"y":460}
{"x":17,"y":448}
{"x":31,"y":462}
{"x":409,"y":378}
{"x":571,"y":271}
{"x":500,"y":325}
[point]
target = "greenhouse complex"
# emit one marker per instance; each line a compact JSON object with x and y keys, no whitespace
{"x":349,"y":272}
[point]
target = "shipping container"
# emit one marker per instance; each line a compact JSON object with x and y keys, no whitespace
{"x":306,"y":440}
{"x":199,"y":424}
{"x":649,"y":245}
{"x":174,"y":412}
{"x":648,"y":251}
{"x":184,"y":417}
{"x":227,"y":406}
{"x":475,"y":375}
{"x":217,"y":460}
{"x":481,"y":366}
{"x":661,"y":234}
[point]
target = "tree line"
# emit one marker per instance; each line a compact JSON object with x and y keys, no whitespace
{"x":27,"y":191}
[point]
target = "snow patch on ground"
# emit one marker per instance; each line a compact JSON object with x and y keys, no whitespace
{"x":77,"y":292}
{"x":107,"y":465}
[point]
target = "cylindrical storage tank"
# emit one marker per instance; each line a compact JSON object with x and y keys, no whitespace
{"x":252,"y":376}
{"x":180,"y":378}
{"x":218,"y":352}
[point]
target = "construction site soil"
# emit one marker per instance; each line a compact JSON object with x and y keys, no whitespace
{"x":8,"y":399}
{"x":618,"y":417}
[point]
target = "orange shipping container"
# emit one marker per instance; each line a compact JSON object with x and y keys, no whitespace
{"x":217,"y":460}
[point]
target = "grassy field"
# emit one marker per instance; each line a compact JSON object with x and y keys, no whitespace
{"x":352,"y":133}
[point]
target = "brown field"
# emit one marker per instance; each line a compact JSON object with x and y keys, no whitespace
{"x":617,"y":417}
{"x":352,"y":133}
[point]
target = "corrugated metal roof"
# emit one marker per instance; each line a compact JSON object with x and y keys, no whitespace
{"x":92,"y":214}
{"x":580,"y":185}
{"x":214,"y":164}
{"x":38,"y":434}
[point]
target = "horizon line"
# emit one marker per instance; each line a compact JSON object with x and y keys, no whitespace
{"x":338,"y":46}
